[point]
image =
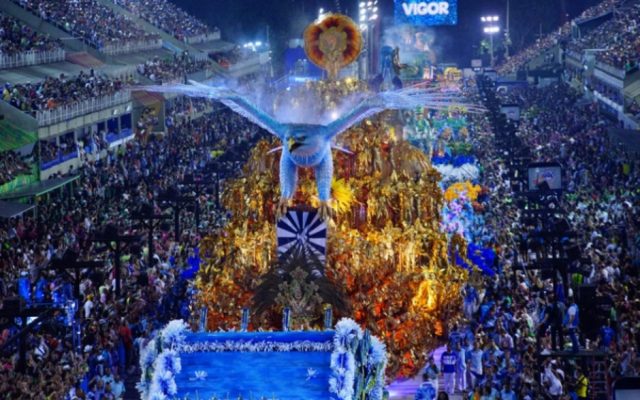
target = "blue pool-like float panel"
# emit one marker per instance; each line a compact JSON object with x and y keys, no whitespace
{"x":284,"y":372}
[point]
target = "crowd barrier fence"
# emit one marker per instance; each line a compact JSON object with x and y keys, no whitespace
{"x":32,"y":57}
{"x":64,"y":113}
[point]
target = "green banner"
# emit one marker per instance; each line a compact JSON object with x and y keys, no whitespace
{"x":12,"y":137}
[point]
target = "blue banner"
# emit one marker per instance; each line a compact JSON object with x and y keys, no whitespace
{"x":426,"y":13}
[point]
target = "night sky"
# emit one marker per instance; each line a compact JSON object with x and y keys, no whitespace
{"x":246,"y":20}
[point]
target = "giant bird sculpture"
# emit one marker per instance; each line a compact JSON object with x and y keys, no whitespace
{"x":309,"y":145}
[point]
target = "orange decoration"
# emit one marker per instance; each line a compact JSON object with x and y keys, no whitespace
{"x":333,"y":43}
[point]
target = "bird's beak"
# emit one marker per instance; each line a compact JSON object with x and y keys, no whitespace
{"x":293,"y":144}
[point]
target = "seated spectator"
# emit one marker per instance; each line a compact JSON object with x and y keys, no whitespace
{"x":166,"y":16}
{"x":16,"y":37}
{"x":12,"y":166}
{"x":164,"y":70}
{"x":89,"y":20}
{"x":53,"y":93}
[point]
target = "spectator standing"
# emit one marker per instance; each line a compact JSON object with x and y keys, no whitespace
{"x":557,"y":317}
{"x":554,"y":385}
{"x":582,"y":384}
{"x":507,"y":393}
{"x":545,"y":319}
{"x":572,"y":321}
{"x":431,"y":373}
{"x":476,"y":367}
{"x":449,"y":361}
{"x":470,"y":301}
{"x":461,"y":367}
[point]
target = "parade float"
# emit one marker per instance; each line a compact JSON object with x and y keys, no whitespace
{"x":338,"y":217}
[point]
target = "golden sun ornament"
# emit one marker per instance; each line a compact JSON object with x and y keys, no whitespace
{"x":332,"y":43}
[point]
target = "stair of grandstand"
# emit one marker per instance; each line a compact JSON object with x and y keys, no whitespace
{"x":632,"y":90}
{"x":598,"y":378}
{"x":168,"y":41}
{"x":85,"y":59}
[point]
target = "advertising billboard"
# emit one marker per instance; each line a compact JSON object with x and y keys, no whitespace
{"x":512,"y":111}
{"x":426,"y":13}
{"x":545,"y":176}
{"x":408,"y":51}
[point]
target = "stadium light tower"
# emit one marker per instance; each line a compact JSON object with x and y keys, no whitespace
{"x":507,"y":36}
{"x":368,"y":15}
{"x":491,"y":27}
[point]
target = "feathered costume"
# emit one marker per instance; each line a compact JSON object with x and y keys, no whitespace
{"x":309,"y":145}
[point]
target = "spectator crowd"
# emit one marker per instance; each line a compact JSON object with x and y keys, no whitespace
{"x":89,"y":20}
{"x":523,"y":333}
{"x":53,"y":149}
{"x":166,"y":16}
{"x":523,"y":329}
{"x":617,"y":36}
{"x":61,"y":91}
{"x":11,"y":166}
{"x":16,"y":37}
{"x":564,"y":34}
{"x":108,"y":193}
{"x":169,"y":69}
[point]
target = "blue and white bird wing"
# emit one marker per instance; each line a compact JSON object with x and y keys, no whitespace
{"x":358,"y":114}
{"x":402,"y":99}
{"x":226,"y":96}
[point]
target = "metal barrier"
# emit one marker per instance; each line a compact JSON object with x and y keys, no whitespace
{"x":205,"y":37}
{"x":49,"y":117}
{"x":115,"y":49}
{"x":617,"y":72}
{"x":200,"y":56}
{"x":31,"y":58}
{"x":249,"y":61}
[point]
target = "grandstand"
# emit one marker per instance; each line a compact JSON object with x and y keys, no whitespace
{"x":71,"y":92}
{"x":598,"y":52}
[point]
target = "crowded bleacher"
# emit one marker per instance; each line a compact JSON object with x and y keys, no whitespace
{"x":616,"y":40}
{"x":91,"y":21}
{"x":16,"y":37}
{"x":168,"y":17}
{"x":623,"y":48}
{"x":563,"y":34}
{"x":55,"y":92}
{"x":177,"y":67}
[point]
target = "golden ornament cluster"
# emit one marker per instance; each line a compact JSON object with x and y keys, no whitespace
{"x":385,"y":248}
